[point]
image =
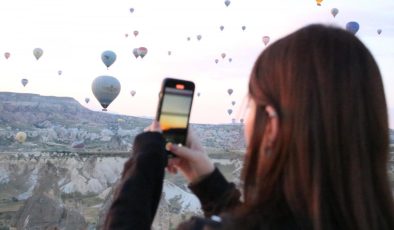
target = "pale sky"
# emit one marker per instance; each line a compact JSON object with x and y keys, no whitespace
{"x":74,"y":33}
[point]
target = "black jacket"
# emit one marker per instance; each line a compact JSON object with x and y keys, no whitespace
{"x":137,"y":197}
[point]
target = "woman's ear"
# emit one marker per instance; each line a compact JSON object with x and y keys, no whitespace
{"x":272,"y":127}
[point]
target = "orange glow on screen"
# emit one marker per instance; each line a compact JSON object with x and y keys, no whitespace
{"x":180,"y":86}
{"x":171,"y":122}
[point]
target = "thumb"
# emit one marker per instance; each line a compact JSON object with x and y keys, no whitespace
{"x":180,"y":151}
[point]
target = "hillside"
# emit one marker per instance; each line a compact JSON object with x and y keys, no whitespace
{"x":26,"y":111}
{"x":72,"y":157}
{"x":61,"y":124}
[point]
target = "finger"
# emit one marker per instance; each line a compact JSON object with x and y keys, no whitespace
{"x":180,"y":151}
{"x":174,"y":161}
{"x":190,"y":136}
{"x":148,"y":128}
{"x":153,"y":127}
{"x":193,"y":141}
{"x":172,"y":169}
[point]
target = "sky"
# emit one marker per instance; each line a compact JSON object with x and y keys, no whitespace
{"x":74,"y":33}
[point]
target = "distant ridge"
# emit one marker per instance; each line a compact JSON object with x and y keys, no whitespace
{"x":25,"y":110}
{"x":57,"y":123}
{"x":23,"y":95}
{"x":31,"y":97}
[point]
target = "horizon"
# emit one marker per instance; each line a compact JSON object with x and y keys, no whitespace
{"x":109,"y":112}
{"x":73,"y":39}
{"x":116,"y":114}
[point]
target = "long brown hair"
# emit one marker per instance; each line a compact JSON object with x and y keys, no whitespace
{"x":328,"y":165}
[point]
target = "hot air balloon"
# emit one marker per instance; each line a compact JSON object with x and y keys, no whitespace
{"x":135,"y":52}
{"x":21,"y":137}
{"x":221,"y":28}
{"x":216,"y":61}
{"x":131,"y":10}
{"x":7,"y":55}
{"x":229,"y":111}
{"x":87,"y":100}
{"x":108,"y":57}
{"x":126,"y":35}
{"x":199,"y":37}
{"x":198,"y":94}
{"x":37,"y":52}
{"x":241,"y":120}
{"x":318,"y":2}
{"x":233,"y":103}
{"x":352,"y":27}
{"x":24,"y":82}
{"x":223,"y":55}
{"x":334,"y":12}
{"x":230,"y":91}
{"x":105,"y":89}
{"x":188,"y":38}
{"x":169,"y":53}
{"x":243,"y":28}
{"x":135,"y":33}
{"x":142,"y":51}
{"x":132,"y":92}
{"x":59,"y":72}
{"x":379,"y":31}
{"x":227,"y":2}
{"x":230,"y":59}
{"x":266,"y":40}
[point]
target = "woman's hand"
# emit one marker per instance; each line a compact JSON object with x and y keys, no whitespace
{"x":154,"y":127}
{"x":192,"y":160}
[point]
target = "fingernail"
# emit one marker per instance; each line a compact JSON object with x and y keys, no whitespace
{"x":174,"y":147}
{"x":168,"y":146}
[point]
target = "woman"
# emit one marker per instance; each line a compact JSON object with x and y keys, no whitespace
{"x":317,"y":137}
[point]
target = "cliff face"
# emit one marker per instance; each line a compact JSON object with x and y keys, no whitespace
{"x":35,"y":184}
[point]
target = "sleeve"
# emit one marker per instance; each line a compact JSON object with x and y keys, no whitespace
{"x":216,"y":194}
{"x":137,"y":197}
{"x":198,"y":223}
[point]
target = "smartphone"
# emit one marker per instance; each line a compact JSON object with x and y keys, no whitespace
{"x":173,"y":113}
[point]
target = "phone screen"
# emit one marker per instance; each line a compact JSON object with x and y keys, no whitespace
{"x":175,"y":112}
